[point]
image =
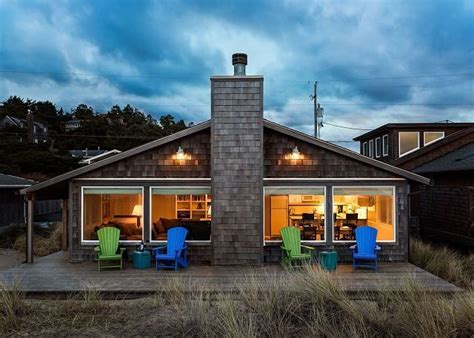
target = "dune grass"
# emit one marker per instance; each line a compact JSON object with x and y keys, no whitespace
{"x":45,"y":242}
{"x":444,"y":262}
{"x":308,"y":303}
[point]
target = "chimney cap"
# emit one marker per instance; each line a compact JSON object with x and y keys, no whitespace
{"x":239,"y":58}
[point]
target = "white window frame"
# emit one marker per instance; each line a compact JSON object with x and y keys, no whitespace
{"x":378,"y":150}
{"x":410,"y":151}
{"x":395,"y":220}
{"x":436,"y":140}
{"x":384,"y":148}
{"x":152,"y":241}
{"x":371,"y":148}
{"x":273,"y":241}
{"x":94,"y":241}
{"x":364,"y":148}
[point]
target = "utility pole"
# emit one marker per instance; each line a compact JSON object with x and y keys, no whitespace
{"x":318,"y":112}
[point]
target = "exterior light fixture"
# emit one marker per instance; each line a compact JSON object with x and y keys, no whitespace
{"x":180,"y":154}
{"x":295,"y":154}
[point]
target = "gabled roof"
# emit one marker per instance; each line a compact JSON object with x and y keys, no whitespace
{"x":434,"y":148}
{"x":18,"y":122}
{"x":10,"y":181}
{"x":346,"y":152}
{"x":205,"y":125}
{"x":390,"y":126}
{"x":123,"y":155}
{"x":461,"y":159}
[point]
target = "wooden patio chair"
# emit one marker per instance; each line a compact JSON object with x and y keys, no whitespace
{"x":292,"y":248}
{"x":107,"y":249}
{"x":366,"y":249}
{"x":176,"y":250}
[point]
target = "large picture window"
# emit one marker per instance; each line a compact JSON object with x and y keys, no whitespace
{"x":121,"y":208}
{"x":190,"y":208}
{"x":358,"y":206}
{"x":409,"y":141}
{"x":303,"y":208}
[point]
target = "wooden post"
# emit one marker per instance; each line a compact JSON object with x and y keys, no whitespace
{"x":65,"y":225}
{"x":29,"y":231}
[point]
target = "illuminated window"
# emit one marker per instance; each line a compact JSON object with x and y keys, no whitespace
{"x":408,"y":142}
{"x":432,"y":136}
{"x":120,"y":208}
{"x":295,"y":206}
{"x":190,"y":208}
{"x":385,"y":145}
{"x":358,"y":206}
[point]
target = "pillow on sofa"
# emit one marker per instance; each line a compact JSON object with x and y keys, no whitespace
{"x":124,"y":229}
{"x":159,"y":228}
{"x":169,"y":222}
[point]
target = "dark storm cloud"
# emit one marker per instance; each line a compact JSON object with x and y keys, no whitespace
{"x":387,"y":60}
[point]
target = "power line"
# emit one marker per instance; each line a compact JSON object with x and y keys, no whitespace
{"x":13,"y":71}
{"x":84,"y":135}
{"x":345,"y":127}
{"x":384,"y":78}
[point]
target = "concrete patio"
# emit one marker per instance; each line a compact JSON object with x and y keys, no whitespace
{"x":53,"y":274}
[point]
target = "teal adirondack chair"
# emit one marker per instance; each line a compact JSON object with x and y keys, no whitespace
{"x":292,"y":248}
{"x":107,"y":249}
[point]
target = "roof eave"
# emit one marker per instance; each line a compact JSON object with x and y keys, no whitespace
{"x":345,"y":152}
{"x":125,"y":154}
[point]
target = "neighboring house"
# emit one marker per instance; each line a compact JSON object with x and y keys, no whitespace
{"x":234,"y":181}
{"x":13,"y":205}
{"x":443,"y":152}
{"x":103,"y":156}
{"x":39,"y":131}
{"x":72,"y":125}
{"x":394,"y":140}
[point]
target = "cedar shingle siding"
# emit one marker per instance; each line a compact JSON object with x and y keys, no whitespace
{"x":237,"y":174}
{"x":159,"y":162}
{"x":315,"y":163}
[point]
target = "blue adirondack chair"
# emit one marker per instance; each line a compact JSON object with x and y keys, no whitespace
{"x":176,"y":250}
{"x":365,"y":251}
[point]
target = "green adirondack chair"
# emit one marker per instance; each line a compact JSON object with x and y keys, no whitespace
{"x":107,"y":249}
{"x":292,"y":248}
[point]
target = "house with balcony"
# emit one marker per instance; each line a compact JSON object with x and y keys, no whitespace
{"x":234,"y":181}
{"x":443,"y":152}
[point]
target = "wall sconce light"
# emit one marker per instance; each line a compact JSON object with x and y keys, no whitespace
{"x":180,"y":154}
{"x":295,"y":154}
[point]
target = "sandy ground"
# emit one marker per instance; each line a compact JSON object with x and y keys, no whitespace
{"x":9,"y":258}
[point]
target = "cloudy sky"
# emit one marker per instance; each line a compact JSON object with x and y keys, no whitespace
{"x":375,"y":61}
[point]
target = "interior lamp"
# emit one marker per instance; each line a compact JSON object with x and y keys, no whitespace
{"x":137,"y":210}
{"x":295,"y":154}
{"x":180,"y":154}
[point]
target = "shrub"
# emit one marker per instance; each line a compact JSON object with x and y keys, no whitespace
{"x":9,"y":235}
{"x":443,"y":262}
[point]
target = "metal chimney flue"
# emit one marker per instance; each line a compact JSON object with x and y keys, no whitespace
{"x":239,"y":60}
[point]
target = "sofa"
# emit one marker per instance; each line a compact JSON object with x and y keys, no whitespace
{"x":129,"y":231}
{"x":198,"y":230}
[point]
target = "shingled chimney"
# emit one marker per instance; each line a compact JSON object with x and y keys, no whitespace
{"x":237,"y":166}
